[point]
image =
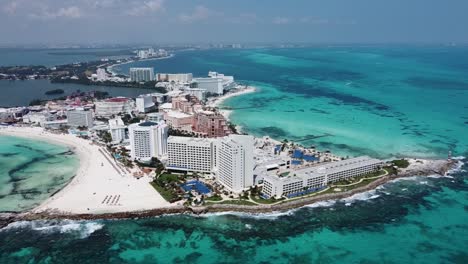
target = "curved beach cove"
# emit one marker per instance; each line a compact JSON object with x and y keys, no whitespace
{"x":411,"y":220}
{"x":32,"y":170}
{"x":381,"y":101}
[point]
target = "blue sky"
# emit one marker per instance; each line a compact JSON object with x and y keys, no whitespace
{"x":170,"y":21}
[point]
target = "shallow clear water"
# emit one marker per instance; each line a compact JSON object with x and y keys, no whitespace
{"x":378,"y":100}
{"x":31,"y":171}
{"x":417,"y":220}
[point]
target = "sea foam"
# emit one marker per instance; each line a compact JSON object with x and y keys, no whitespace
{"x":82,"y":228}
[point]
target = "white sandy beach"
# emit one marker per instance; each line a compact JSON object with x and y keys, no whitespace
{"x":95,"y":180}
{"x":217,"y":101}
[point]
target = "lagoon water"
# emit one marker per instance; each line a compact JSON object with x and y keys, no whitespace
{"x":31,"y":171}
{"x":21,"y":93}
{"x":380,"y":101}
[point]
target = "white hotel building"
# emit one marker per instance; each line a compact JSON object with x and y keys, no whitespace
{"x":78,"y":118}
{"x":191,"y":154}
{"x":114,"y":106}
{"x":317,"y":176}
{"x":117,"y":129}
{"x":229,"y":158}
{"x":141,"y":74}
{"x":235,"y":163}
{"x":148,"y":140}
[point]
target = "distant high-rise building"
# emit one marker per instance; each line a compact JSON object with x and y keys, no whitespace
{"x":77,"y":118}
{"x":147,"y":140}
{"x":141,"y":74}
{"x":101,"y":74}
{"x":175,"y":77}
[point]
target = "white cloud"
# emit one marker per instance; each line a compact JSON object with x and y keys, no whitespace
{"x":314,"y":20}
{"x":281,"y":20}
{"x":198,"y":14}
{"x":245,"y":18}
{"x":64,"y":12}
{"x":146,"y":7}
{"x":10,"y":8}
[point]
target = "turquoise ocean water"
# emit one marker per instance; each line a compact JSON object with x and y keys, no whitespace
{"x":31,"y":171}
{"x":380,"y":101}
{"x":417,"y":220}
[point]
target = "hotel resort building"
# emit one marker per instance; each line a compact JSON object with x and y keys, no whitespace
{"x":291,"y":183}
{"x":191,"y":154}
{"x":114,"y":106}
{"x":141,"y":74}
{"x":148,"y":140}
{"x":230,"y":158}
{"x":234,"y":167}
{"x":78,"y":118}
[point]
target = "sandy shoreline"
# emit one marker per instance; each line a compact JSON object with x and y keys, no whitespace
{"x":216,"y":102}
{"x":435,"y":167}
{"x":95,"y":180}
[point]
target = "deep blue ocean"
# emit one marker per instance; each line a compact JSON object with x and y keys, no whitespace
{"x":376,"y":100}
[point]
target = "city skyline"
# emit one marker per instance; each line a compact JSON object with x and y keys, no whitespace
{"x":202,"y":21}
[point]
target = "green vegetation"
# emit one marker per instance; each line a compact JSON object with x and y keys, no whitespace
{"x":128,"y":119}
{"x":35,"y":102}
{"x":167,"y":194}
{"x":168,"y":186}
{"x":401,"y":163}
{"x":55,"y":91}
{"x":105,"y":136}
{"x":263,"y":201}
{"x":180,"y":133}
{"x":214,"y":198}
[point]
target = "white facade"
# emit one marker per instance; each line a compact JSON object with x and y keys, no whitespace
{"x":155,"y":117}
{"x":77,"y":118}
{"x":38,"y":118}
{"x":197,"y":92}
{"x":117,"y":129}
{"x":235,"y":162}
{"x":191,"y":154}
{"x":114,"y":106}
{"x":141,"y":74}
{"x":175,"y":77}
{"x":148,"y":140}
{"x":318,"y":176}
{"x":228,"y":81}
{"x":211,"y":85}
{"x":144,"y":103}
{"x":101,"y":74}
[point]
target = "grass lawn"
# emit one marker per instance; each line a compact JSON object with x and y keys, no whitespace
{"x":214,"y":198}
{"x":168,"y":195}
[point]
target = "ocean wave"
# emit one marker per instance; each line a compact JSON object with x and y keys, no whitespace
{"x":369,"y":195}
{"x":458,"y":166}
{"x":271,"y":216}
{"x":81,"y":228}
